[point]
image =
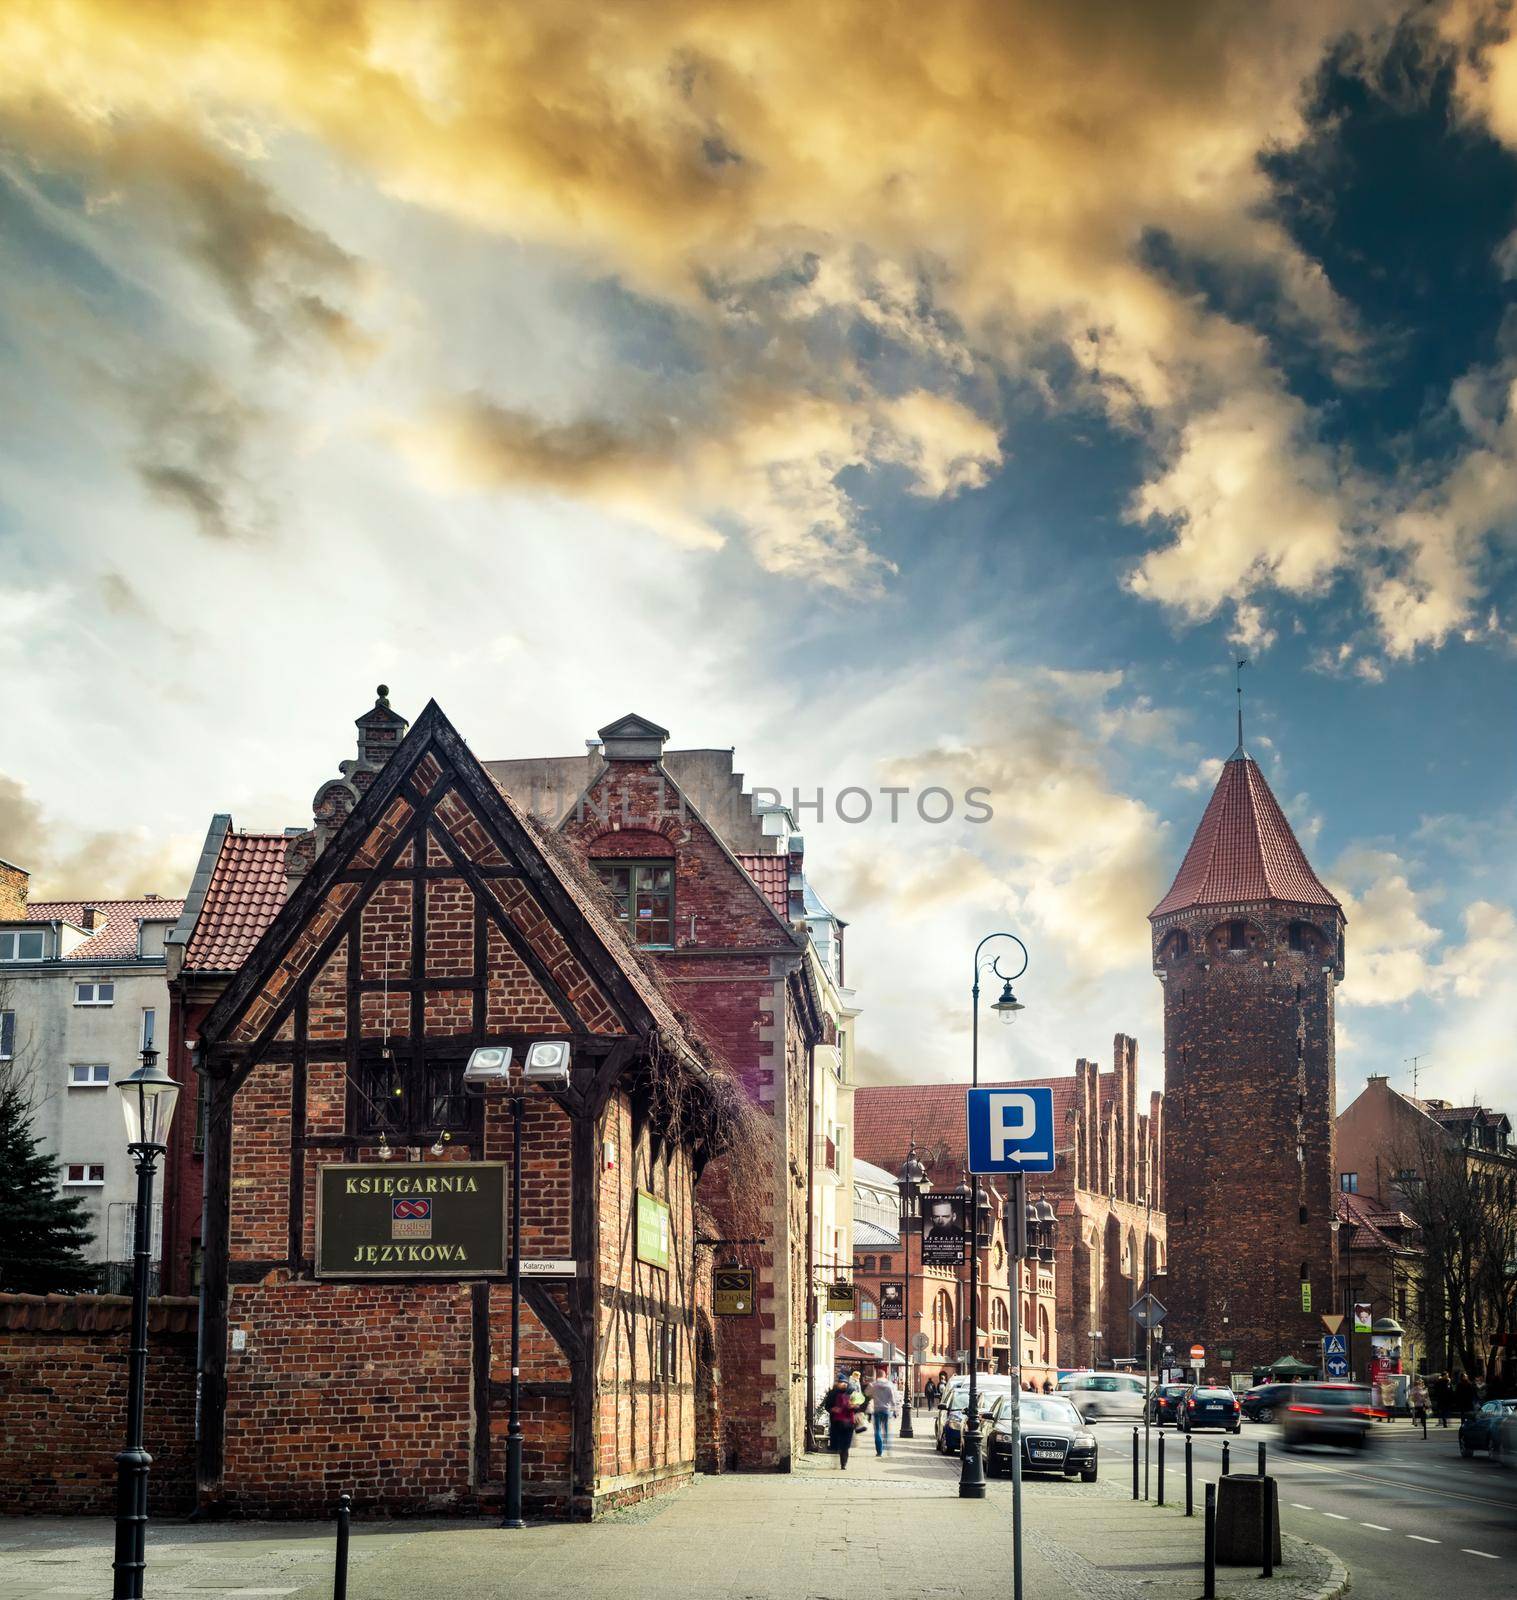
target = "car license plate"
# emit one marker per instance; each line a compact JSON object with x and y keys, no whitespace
{"x":1049,"y":1455}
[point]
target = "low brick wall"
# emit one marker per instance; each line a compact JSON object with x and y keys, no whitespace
{"x":63,"y":1361}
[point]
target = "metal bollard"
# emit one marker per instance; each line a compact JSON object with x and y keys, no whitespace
{"x":1190,"y":1503}
{"x":1261,"y":1458}
{"x":1226,"y":1457}
{"x":1135,"y":1463}
{"x":1267,"y":1523}
{"x":1209,"y":1589}
{"x":1161,"y":1469}
{"x":340,"y":1581}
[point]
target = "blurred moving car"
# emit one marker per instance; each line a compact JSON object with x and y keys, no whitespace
{"x":1493,"y":1428}
{"x":1327,"y":1413}
{"x":1054,"y":1437}
{"x":1265,"y":1401}
{"x":1167,"y":1398}
{"x":1106,"y":1396}
{"x":1207,"y":1406}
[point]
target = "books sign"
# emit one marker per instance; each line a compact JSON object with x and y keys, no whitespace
{"x":433,"y":1220}
{"x":732,"y":1291}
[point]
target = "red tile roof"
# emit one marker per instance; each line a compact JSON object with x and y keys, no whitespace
{"x":772,"y":874}
{"x":1370,"y":1218}
{"x":1243,"y":850}
{"x":243,"y":897}
{"x":116,"y":938}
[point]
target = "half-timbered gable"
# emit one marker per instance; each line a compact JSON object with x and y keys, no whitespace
{"x":428,"y":916}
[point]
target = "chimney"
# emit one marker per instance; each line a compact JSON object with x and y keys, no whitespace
{"x":14,"y":882}
{"x":90,"y":918}
{"x":380,"y":731}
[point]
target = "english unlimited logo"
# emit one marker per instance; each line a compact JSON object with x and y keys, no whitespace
{"x":410,"y":1219}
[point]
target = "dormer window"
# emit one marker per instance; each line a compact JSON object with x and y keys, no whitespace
{"x":644,"y":895}
{"x":25,"y":944}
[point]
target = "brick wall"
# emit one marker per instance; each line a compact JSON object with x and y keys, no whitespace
{"x":1249,"y":1111}
{"x":63,"y":1361}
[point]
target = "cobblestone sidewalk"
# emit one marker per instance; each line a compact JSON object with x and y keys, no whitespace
{"x":891,"y":1529}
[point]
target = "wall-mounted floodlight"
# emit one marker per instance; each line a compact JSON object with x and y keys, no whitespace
{"x":487,"y":1068}
{"x":547,"y":1064}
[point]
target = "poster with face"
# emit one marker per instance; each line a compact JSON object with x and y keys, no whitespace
{"x":892,"y":1302}
{"x":943,"y":1230}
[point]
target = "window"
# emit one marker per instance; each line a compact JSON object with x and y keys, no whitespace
{"x":1295,"y":937}
{"x":868,"y":1310}
{"x":381,"y":1097}
{"x":1348,"y":1182}
{"x":94,"y":994}
{"x":150,"y":937}
{"x":868,"y":1264}
{"x":23,"y":945}
{"x":84,"y":1175}
{"x":7,"y":1035}
{"x":149,"y":1027}
{"x":1237,"y":936}
{"x":89,"y":1075}
{"x":644,"y":895}
{"x":447,"y":1105}
{"x":885,"y":1263}
{"x":393,"y":1097}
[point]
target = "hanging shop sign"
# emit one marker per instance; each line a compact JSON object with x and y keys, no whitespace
{"x":428,"y":1220}
{"x":943,"y":1230}
{"x":652,"y":1230}
{"x":840,"y":1295}
{"x":732,"y":1291}
{"x":892,"y":1302}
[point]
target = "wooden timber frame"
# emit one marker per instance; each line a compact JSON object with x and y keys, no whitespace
{"x":645,"y":1037}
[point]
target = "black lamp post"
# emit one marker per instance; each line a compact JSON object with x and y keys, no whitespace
{"x":972,"y":1468}
{"x":909,"y":1181}
{"x":148,"y":1097}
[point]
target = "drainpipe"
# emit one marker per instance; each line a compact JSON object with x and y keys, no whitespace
{"x":811,"y":1313}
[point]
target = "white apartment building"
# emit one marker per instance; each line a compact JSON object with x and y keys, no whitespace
{"x":82,"y":991}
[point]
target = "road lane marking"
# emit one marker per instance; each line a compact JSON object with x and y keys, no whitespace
{"x":1422,"y":1538}
{"x":1299,"y":1507}
{"x":1379,"y":1527}
{"x":1486,"y":1554}
{"x":1337,"y":1516}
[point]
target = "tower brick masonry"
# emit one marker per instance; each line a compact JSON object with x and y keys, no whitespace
{"x":1249,"y":946}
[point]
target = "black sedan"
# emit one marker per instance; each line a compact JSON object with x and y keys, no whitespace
{"x":1054,"y":1437}
{"x":1166,"y":1403}
{"x":1265,"y":1401}
{"x":1207,"y":1407}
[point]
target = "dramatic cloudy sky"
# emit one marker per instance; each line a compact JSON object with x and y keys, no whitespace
{"x":906,"y":395}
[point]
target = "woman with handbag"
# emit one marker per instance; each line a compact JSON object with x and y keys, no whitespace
{"x":842,"y":1417}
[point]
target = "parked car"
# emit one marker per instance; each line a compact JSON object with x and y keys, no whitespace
{"x":1327,"y":1413}
{"x":1166,"y":1399}
{"x":1484,"y":1429}
{"x":1054,"y":1437}
{"x":1106,"y":1396}
{"x":1207,"y":1406}
{"x":1265,"y":1401}
{"x":948,"y":1425}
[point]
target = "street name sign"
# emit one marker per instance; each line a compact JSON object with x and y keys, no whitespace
{"x":1010,"y":1130}
{"x":732,"y":1291}
{"x":1147,"y":1312}
{"x":543,"y":1267}
{"x":433,"y":1220}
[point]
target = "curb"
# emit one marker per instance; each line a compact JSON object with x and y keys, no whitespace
{"x":1338,"y":1580}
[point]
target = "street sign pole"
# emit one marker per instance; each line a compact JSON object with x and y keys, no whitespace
{"x":1148,"y":1397}
{"x":1018,"y":1212}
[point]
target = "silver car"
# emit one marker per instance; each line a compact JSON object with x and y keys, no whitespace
{"x":1327,"y":1413}
{"x":1106,"y":1396}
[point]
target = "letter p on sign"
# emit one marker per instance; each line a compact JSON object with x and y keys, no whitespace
{"x":1010,"y":1130}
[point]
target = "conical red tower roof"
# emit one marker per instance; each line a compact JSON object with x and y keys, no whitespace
{"x":1243,"y":850}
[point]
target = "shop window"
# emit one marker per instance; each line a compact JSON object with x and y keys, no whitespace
{"x":644,"y":896}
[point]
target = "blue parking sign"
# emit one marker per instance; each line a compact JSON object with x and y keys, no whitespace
{"x":1010,"y":1130}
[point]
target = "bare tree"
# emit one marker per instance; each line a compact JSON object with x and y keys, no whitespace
{"x":1469,"y":1247}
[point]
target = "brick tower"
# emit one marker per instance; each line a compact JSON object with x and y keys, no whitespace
{"x":1248,"y":944}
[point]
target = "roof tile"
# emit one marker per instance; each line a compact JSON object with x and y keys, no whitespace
{"x":116,"y":938}
{"x":1243,"y":850}
{"x":772,"y":874}
{"x":245,"y":894}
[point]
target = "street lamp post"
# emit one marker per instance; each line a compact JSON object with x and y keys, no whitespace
{"x":513,"y":1517}
{"x":972,"y":1468}
{"x":909,"y":1181}
{"x":148,"y":1097}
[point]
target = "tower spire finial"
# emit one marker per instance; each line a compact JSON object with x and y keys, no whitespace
{"x":1241,"y":663}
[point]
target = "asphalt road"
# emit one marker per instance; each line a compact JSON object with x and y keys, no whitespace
{"x":1408,"y":1516}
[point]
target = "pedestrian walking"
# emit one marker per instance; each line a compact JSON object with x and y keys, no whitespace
{"x":842,"y":1418}
{"x":883,"y":1401}
{"x":1419,"y":1403}
{"x":930,"y":1393}
{"x":1048,"y":1386}
{"x":1464,"y":1395}
{"x":1442,"y":1399}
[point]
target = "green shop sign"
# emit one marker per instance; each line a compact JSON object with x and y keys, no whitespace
{"x":430,"y":1220}
{"x":652,"y":1230}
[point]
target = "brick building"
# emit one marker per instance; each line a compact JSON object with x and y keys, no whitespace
{"x":1107,"y":1188}
{"x":712,"y":888}
{"x":421,"y":916}
{"x":1248,"y":944}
